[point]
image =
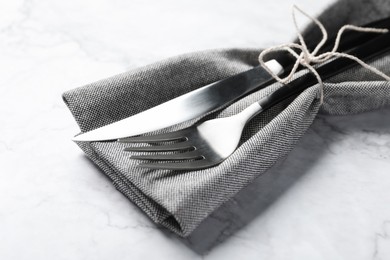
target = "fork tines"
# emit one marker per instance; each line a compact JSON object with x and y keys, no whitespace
{"x":177,"y":147}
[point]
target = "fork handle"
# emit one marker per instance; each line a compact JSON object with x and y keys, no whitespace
{"x":364,"y":52}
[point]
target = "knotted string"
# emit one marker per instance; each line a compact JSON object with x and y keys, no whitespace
{"x":308,"y":59}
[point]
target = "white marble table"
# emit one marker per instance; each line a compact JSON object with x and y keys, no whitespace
{"x":329,"y":199}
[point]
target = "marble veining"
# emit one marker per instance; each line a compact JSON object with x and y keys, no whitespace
{"x":329,"y":199}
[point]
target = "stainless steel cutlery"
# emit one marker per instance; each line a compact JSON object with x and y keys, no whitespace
{"x":213,"y":96}
{"x":209,"y":143}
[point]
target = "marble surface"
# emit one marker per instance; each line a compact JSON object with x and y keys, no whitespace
{"x":329,"y":199}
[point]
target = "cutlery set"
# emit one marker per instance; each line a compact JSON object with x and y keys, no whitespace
{"x":208,"y":143}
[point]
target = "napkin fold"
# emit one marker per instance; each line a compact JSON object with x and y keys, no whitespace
{"x":181,"y":200}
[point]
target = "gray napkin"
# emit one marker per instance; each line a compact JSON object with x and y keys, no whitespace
{"x":181,"y":200}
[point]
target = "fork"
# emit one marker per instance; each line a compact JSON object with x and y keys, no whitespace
{"x":209,"y":143}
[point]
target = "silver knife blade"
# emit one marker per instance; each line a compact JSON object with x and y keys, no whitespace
{"x":186,"y":107}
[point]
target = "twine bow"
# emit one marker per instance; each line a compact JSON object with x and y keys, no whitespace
{"x":309,"y":59}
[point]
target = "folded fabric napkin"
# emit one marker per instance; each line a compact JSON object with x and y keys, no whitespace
{"x":181,"y":200}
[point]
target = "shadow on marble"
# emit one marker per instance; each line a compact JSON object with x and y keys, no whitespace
{"x":249,"y":203}
{"x":260,"y":195}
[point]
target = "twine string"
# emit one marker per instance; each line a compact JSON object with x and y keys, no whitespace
{"x":308,"y":59}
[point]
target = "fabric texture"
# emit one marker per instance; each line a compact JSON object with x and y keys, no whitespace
{"x":181,"y":200}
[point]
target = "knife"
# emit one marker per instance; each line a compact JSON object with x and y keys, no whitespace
{"x":187,"y":106}
{"x":211,"y":97}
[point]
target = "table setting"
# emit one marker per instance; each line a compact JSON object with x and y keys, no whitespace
{"x":204,"y":164}
{"x":281,"y":149}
